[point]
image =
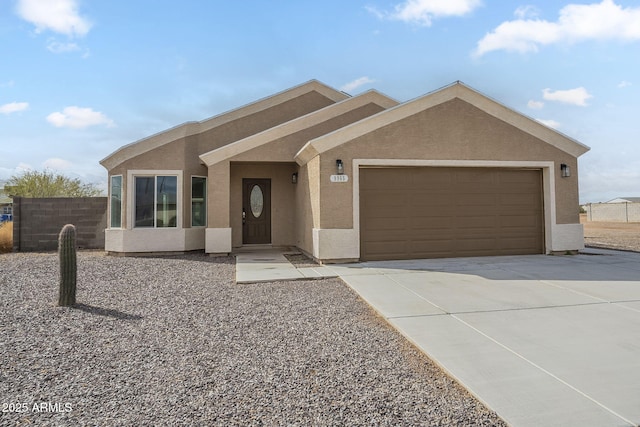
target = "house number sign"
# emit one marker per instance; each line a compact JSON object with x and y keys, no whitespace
{"x":339,"y":178}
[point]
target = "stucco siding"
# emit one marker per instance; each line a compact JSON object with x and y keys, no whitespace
{"x":304,"y":213}
{"x":454,"y":130}
{"x":218,"y":195}
{"x":260,"y":121}
{"x":282,"y":200}
{"x":285,"y":148}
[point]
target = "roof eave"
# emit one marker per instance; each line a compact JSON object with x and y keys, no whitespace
{"x":455,"y":90}
{"x":298,"y":124}
{"x":190,"y":128}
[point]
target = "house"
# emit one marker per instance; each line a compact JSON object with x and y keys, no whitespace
{"x":452,"y":173}
{"x":6,"y":205}
{"x":625,"y":200}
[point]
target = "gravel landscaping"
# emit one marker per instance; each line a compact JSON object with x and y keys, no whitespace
{"x":612,"y":235}
{"x":174,"y":341}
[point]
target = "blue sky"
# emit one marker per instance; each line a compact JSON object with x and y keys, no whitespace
{"x":80,"y":78}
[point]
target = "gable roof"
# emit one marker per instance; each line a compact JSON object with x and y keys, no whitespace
{"x":440,"y":96}
{"x":625,"y":199}
{"x":296,"y":125}
{"x":195,"y":127}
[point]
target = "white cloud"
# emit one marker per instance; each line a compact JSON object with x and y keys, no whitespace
{"x":10,"y":83}
{"x":527,"y":11}
{"x":60,"y":16}
{"x":375,"y":11}
{"x":624,"y":84}
{"x":57,"y":47}
{"x":424,"y":11}
{"x":57,"y":164}
{"x":356,"y":84}
{"x":576,"y":23}
{"x":550,"y":123}
{"x":535,"y":105}
{"x":6,"y":173}
{"x":13,"y":107}
{"x":78,"y":118}
{"x":577,"y":96}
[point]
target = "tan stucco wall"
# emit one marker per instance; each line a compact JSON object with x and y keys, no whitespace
{"x":183,"y":153}
{"x":307,"y":204}
{"x":292,"y":216}
{"x":257,"y":122}
{"x":454,"y":130}
{"x":173,"y":156}
{"x":283,"y":206}
{"x":218,"y":196}
{"x":285,"y":148}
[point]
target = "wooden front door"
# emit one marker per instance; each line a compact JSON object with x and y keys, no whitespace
{"x":256,"y":211}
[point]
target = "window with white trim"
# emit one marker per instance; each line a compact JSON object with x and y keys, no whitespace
{"x":156,"y":201}
{"x":198,"y":201}
{"x":115,"y":200}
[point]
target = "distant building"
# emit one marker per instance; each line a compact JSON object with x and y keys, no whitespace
{"x":625,"y":200}
{"x":6,"y":206}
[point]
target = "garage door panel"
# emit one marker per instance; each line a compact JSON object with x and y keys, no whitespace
{"x":515,"y":176}
{"x":387,"y":250}
{"x":388,"y":213}
{"x":475,"y":221}
{"x":519,"y":221}
{"x":431,"y":246}
{"x":385,"y":198}
{"x":435,"y":212}
{"x":472,"y":176}
{"x":518,"y":198}
{"x":476,"y":199}
{"x":428,"y":212}
{"x":435,"y":224}
{"x":384,"y":224}
{"x":430,"y":204}
{"x":522,"y":242}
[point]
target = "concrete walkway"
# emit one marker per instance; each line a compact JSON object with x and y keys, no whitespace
{"x":542,"y":340}
{"x":260,"y":264}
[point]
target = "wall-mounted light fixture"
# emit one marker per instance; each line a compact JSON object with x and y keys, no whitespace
{"x":339,"y":167}
{"x":294,"y":178}
{"x":565,"y":170}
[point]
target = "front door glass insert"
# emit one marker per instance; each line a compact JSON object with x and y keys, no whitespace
{"x":257,"y":201}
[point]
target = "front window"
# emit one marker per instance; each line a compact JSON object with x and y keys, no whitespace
{"x":198,"y":201}
{"x":116,"y":202}
{"x":156,"y":201}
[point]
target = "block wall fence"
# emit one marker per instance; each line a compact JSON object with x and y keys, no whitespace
{"x":38,"y":221}
{"x":613,"y":212}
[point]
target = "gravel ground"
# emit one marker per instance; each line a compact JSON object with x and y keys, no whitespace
{"x":612,"y":235}
{"x":174,"y":341}
{"x":300,"y":260}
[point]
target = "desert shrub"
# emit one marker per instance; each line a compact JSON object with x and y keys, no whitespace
{"x":6,"y":237}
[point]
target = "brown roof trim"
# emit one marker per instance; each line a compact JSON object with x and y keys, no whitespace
{"x":191,"y":128}
{"x":455,"y":90}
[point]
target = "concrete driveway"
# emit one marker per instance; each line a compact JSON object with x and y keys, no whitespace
{"x":542,"y":340}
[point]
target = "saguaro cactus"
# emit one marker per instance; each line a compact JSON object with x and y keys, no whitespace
{"x":68,"y":265}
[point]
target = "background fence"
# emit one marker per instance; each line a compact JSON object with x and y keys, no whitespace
{"x":37,"y":222}
{"x":613,"y":212}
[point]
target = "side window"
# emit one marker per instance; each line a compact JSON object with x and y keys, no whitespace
{"x":198,"y":201}
{"x":166,"y":201}
{"x":116,"y":202}
{"x":144,"y":201}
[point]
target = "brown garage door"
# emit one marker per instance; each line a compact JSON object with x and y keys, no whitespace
{"x":433,"y":212}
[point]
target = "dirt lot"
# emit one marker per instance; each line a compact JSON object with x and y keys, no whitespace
{"x":611,"y":235}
